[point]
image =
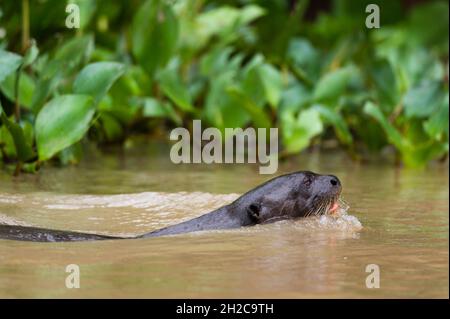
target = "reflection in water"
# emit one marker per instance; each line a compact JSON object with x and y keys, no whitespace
{"x":403,"y":214}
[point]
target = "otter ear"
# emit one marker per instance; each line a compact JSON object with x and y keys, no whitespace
{"x":253,"y":211}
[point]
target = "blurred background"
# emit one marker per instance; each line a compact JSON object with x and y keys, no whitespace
{"x":140,"y":68}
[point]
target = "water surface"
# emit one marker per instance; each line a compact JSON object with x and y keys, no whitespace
{"x":398,"y":220}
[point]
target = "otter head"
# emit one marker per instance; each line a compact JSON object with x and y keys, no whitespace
{"x":299,"y":194}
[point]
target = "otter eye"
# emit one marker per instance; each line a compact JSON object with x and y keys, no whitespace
{"x":307,"y":181}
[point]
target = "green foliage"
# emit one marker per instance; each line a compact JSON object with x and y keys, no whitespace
{"x":26,"y":88}
{"x":332,"y":85}
{"x":154,"y":35}
{"x":22,"y":147}
{"x":299,"y":130}
{"x":62,"y":121}
{"x":175,"y":90}
{"x":139,"y":66}
{"x":96,"y":79}
{"x":9,"y":62}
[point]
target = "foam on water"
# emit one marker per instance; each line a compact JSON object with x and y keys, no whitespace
{"x":340,"y":220}
{"x":8,"y":220}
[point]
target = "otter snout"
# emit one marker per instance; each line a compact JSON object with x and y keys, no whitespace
{"x":334,"y":184}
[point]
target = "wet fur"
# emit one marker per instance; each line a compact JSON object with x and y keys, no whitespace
{"x":294,"y":195}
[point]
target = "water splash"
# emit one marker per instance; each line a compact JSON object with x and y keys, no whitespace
{"x":338,"y":220}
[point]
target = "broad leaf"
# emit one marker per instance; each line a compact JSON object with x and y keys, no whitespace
{"x":393,"y":135}
{"x":97,"y":78}
{"x":31,"y":54}
{"x":111,"y":127}
{"x":421,"y":101}
{"x":437,"y":124}
{"x":338,"y":122}
{"x":333,"y":84}
{"x":66,"y":59}
{"x":154,"y":35}
{"x":62,"y":122}
{"x":259,"y":118}
{"x":155,"y":108}
{"x":26,"y":88}
{"x":298,"y":131}
{"x":9,"y":63}
{"x":172,"y":86}
{"x":272,"y":83}
{"x":24,"y":150}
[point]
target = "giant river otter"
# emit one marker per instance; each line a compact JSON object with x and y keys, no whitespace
{"x":294,"y":195}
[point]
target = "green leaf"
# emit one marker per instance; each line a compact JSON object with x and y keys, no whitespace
{"x":421,"y":101}
{"x":250,"y":13}
{"x":272,"y":83}
{"x":111,"y":126}
{"x":262,"y":82}
{"x":155,"y":108}
{"x":428,"y":23}
{"x":298,"y":131}
{"x":437,"y":124}
{"x":7,"y":147}
{"x":87,"y":10}
{"x":220,"y":109}
{"x":385,"y":82}
{"x":172,"y":86}
{"x":62,"y":122}
{"x":125,"y":112}
{"x":97,"y":78}
{"x":26,"y":88}
{"x":31,"y":54}
{"x":259,"y":117}
{"x":68,"y":57}
{"x":304,"y":59}
{"x":154,"y":35}
{"x":219,"y":61}
{"x":49,"y":78}
{"x":295,"y":97}
{"x":24,"y":150}
{"x":9,"y":63}
{"x":224,"y":22}
{"x":338,"y":122}
{"x":393,"y":135}
{"x":252,"y":83}
{"x":75,"y":52}
{"x":333,"y":84}
{"x":420,"y":155}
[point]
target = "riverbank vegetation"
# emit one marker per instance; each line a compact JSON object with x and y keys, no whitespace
{"x":313,"y":70}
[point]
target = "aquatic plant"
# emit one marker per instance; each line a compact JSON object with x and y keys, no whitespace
{"x":142,"y":66}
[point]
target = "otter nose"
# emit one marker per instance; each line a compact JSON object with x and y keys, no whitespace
{"x":335,"y":181}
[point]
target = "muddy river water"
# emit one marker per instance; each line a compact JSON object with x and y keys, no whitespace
{"x":397,"y":220}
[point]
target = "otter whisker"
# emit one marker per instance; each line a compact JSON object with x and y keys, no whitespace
{"x":319,"y":211}
{"x":343,"y":204}
{"x":323,"y":206}
{"x":309,"y":212}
